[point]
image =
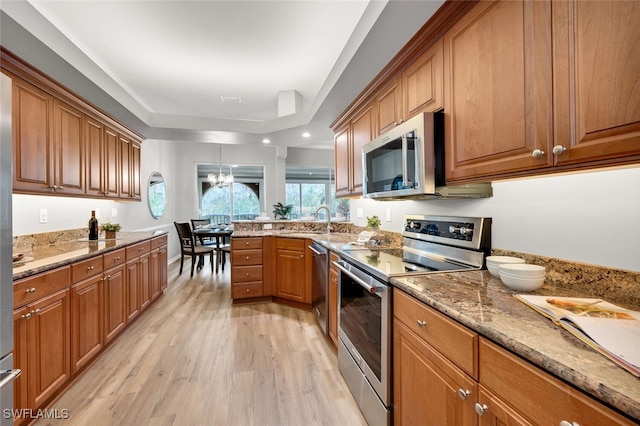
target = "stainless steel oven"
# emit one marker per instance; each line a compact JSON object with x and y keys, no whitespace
{"x":431,"y":244}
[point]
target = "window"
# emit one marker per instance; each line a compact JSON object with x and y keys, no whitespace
{"x":307,"y":189}
{"x":237,"y":202}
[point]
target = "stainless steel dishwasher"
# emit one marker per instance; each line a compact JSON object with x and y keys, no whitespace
{"x":320,"y":283}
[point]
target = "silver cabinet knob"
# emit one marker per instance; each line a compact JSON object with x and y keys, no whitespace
{"x":566,"y":423}
{"x":31,"y":290}
{"x":481,"y":408}
{"x":421,"y":323}
{"x":537,"y":153}
{"x":559,"y":149}
{"x":27,"y":315}
{"x":247,"y":257}
{"x":464,"y":393}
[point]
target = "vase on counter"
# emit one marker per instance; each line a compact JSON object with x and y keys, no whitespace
{"x":110,"y":235}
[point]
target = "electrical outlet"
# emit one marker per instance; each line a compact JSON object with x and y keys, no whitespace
{"x":359,"y":213}
{"x":114,"y":212}
{"x":43,"y":216}
{"x":388,"y":214}
{"x":267,"y":226}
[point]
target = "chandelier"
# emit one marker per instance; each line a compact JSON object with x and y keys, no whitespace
{"x":220,"y":180}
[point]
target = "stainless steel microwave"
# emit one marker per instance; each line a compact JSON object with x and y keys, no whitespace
{"x":408,"y":162}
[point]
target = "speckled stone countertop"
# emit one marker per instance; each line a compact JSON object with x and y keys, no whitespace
{"x":482,"y":303}
{"x":54,"y":255}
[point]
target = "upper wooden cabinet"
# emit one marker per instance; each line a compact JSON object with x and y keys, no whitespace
{"x":63,"y":145}
{"x":422,"y":83}
{"x":389,"y":106}
{"x":596,"y":72}
{"x":498,"y":106}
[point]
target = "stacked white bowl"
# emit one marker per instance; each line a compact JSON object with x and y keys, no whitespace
{"x":522,"y":276}
{"x":493,"y":262}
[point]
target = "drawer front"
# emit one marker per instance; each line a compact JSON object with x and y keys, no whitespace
{"x":294,"y":244}
{"x":451,"y":339}
{"x":243,"y":274}
{"x":246,"y":243}
{"x":158,"y":242}
{"x":246,"y":257}
{"x":536,"y":394}
{"x":86,"y":268}
{"x":247,"y":290}
{"x":113,"y":258}
{"x":139,"y":249}
{"x":33,"y":288}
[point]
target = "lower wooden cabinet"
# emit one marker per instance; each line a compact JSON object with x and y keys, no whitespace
{"x":247,"y":268}
{"x":291,"y":270}
{"x":432,"y":387}
{"x":86,"y":321}
{"x":115,"y":302}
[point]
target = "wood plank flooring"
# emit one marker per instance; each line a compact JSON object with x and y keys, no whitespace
{"x":194,"y":359}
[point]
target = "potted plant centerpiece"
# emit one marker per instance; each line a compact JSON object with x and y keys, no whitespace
{"x":110,"y":230}
{"x":281,"y":211}
{"x":373,"y":222}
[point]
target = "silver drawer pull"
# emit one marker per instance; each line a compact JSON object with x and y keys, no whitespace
{"x":566,"y":423}
{"x":421,"y":323}
{"x":31,"y":290}
{"x":27,"y":315}
{"x":90,"y":268}
{"x":481,"y":409}
{"x":464,"y":394}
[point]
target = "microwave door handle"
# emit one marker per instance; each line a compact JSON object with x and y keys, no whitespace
{"x":404,"y":161}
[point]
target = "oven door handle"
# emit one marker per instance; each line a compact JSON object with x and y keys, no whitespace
{"x":370,"y":288}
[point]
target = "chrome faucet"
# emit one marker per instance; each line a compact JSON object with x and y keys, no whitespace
{"x":328,"y":216}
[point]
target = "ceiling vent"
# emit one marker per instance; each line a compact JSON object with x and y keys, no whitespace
{"x":234,"y":99}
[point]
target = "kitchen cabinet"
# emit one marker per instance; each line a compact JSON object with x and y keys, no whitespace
{"x":333,"y":298}
{"x":292,"y":280}
{"x":247,"y":268}
{"x":137,"y":280}
{"x":422,"y":83}
{"x":86,"y":311}
{"x":534,"y":394}
{"x":115,"y":294}
{"x":429,"y":387}
{"x":389,"y":106}
{"x":596,"y":67}
{"x":64,"y":146}
{"x":158,"y":266}
{"x":445,"y":373}
{"x":498,"y":95}
{"x":102,"y":160}
{"x":342,"y":153}
{"x":42,"y":339}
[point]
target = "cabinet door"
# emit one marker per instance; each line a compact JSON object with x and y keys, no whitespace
{"x":126,"y":183}
{"x":422,"y":83}
{"x":498,"y":107}
{"x":48,"y":347}
{"x":362,"y":128}
{"x":94,"y":177}
{"x":144,"y":281}
{"x":69,"y":146}
{"x":389,"y":106}
{"x":596,"y":69}
{"x":155,"y":273}
{"x":163,"y":261}
{"x":86,"y":321}
{"x":32,"y":145}
{"x":115,"y":302}
{"x":20,"y":349}
{"x":291,"y":271}
{"x":428,"y":389}
{"x":112,"y":163}
{"x":343,"y":168}
{"x":133,"y":305}
{"x":135,"y":170}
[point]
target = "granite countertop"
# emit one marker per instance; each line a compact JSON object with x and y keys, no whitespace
{"x":59,"y":254}
{"x":482,"y":303}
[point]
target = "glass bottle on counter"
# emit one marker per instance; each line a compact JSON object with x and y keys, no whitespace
{"x":93,"y":226}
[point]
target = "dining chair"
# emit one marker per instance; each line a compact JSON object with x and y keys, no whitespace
{"x":195,"y":223}
{"x":188,"y":246}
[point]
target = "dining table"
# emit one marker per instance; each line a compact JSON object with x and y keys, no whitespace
{"x":212,"y":232}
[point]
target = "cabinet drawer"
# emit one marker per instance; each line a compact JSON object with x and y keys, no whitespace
{"x":113,"y":258}
{"x":86,"y":268}
{"x":537,"y":395}
{"x":451,"y":339}
{"x":293,"y":244}
{"x":138,"y":249}
{"x":246,"y":257}
{"x":246,"y":243}
{"x":158,"y":242}
{"x":243,"y":274}
{"x":29,"y":289}
{"x":246,"y":290}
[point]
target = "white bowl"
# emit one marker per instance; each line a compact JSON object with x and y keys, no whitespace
{"x":524,"y":270}
{"x":520,"y":283}
{"x":494,"y":261}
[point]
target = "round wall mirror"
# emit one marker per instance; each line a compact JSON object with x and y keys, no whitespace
{"x":157,"y":195}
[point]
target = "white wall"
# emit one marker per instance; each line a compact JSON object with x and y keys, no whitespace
{"x":589,"y":217}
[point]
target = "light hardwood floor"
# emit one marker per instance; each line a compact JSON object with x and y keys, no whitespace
{"x":194,"y":359}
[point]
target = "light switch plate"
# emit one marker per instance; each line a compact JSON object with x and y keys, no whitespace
{"x":43,"y":216}
{"x":359,"y":213}
{"x":388,"y":214}
{"x":114,"y":212}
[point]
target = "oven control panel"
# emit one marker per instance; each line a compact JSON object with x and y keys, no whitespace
{"x":458,"y":231}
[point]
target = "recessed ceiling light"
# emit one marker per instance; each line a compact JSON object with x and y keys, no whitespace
{"x":235,"y":99}
{"x":306,"y":135}
{"x":266,"y":141}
